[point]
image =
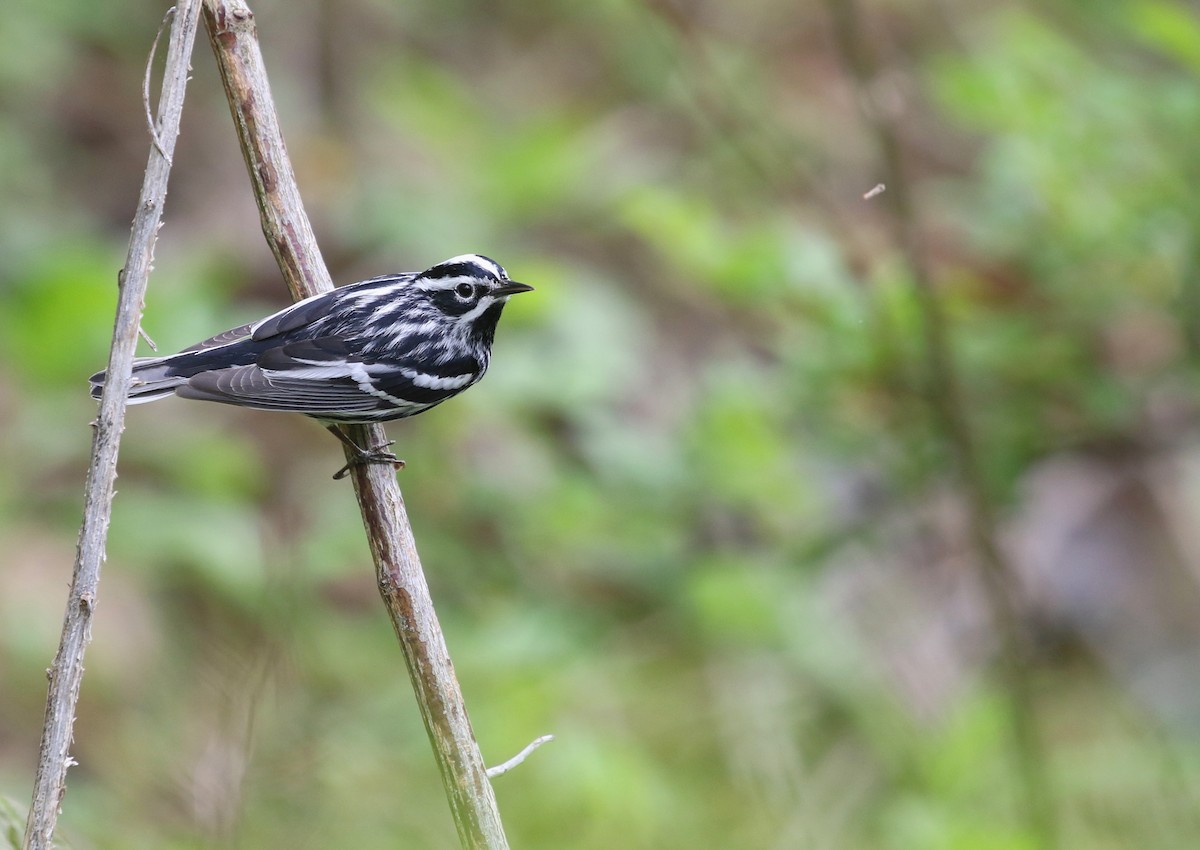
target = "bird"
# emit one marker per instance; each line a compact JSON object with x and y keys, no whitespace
{"x":381,"y":349}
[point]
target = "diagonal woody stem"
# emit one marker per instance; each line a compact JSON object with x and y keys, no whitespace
{"x":401,"y":580}
{"x":66,"y":674}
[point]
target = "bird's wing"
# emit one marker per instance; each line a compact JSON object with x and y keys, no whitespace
{"x":317,"y":306}
{"x":296,"y":316}
{"x":320,"y":378}
{"x":223,"y":338}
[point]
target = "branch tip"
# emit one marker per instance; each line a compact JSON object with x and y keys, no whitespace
{"x":515,"y":761}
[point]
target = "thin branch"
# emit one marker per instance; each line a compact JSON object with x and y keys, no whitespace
{"x":66,"y":674}
{"x":150,"y":123}
{"x":519,"y":758}
{"x":401,"y":580}
{"x":944,"y":392}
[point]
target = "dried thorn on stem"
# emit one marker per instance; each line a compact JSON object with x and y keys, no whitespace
{"x":142,"y":333}
{"x":121,"y":281}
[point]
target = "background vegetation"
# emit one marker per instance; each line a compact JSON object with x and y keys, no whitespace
{"x":700,"y":522}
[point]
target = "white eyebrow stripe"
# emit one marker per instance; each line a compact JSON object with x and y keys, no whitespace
{"x":448,"y":282}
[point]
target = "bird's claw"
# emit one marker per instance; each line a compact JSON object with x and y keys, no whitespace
{"x":378,"y":454}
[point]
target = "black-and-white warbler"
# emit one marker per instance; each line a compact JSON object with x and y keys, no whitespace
{"x":384,"y":348}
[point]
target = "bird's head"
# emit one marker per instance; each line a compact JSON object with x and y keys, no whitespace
{"x":470,"y":291}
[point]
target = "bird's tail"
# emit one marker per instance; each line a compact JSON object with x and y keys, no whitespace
{"x":157,"y":377}
{"x":153,"y":378}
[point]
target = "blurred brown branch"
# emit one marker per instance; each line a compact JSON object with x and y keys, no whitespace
{"x":401,"y":580}
{"x":944,"y":395}
{"x":66,"y":674}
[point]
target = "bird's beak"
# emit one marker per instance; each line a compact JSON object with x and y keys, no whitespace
{"x":511,"y":288}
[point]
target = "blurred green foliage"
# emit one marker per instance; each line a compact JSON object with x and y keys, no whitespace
{"x":697,"y":522}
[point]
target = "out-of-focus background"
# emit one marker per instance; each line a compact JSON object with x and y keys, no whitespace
{"x":802,"y":520}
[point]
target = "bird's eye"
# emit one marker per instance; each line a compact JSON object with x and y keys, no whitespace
{"x":464,"y":290}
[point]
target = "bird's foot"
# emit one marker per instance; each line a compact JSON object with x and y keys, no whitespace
{"x":361,"y":456}
{"x":378,"y":454}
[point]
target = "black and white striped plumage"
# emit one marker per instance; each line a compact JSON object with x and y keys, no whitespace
{"x":381,"y":349}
